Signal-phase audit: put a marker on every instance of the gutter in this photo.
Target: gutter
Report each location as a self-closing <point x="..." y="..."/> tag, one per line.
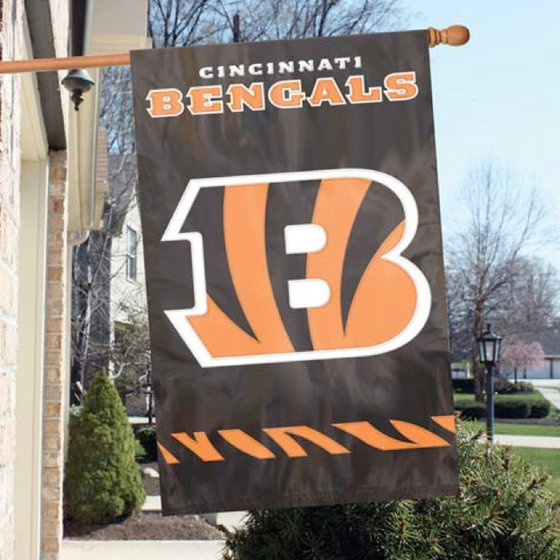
<point x="77" y="238"/>
<point x="42" y="43"/>
<point x="81" y="15"/>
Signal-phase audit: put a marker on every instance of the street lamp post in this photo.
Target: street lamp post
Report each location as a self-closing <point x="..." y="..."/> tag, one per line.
<point x="489" y="346"/>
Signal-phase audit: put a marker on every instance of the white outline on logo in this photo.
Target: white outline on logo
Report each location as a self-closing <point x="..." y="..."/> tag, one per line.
<point x="179" y="317"/>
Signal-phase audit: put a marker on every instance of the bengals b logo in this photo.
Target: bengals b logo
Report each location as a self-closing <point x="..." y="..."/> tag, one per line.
<point x="299" y="266"/>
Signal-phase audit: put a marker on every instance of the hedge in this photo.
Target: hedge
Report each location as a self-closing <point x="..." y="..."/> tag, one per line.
<point x="511" y="408"/>
<point x="506" y="406"/>
<point x="540" y="409"/>
<point x="472" y="410"/>
<point x="463" y="385"/>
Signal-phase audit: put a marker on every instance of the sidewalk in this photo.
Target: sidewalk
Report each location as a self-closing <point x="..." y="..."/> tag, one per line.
<point x="231" y="520"/>
<point x="550" y="392"/>
<point x="544" y="442"/>
<point x="544" y="382"/>
<point x="141" y="550"/>
<point x="150" y="550"/>
<point x="136" y="420"/>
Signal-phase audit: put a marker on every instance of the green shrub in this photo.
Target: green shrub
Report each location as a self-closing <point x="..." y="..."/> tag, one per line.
<point x="519" y="387"/>
<point x="147" y="438"/>
<point x="511" y="408"/>
<point x="503" y="511"/>
<point x="539" y="409"/>
<point x="472" y="410"/>
<point x="139" y="450"/>
<point x="527" y="405"/>
<point x="463" y="385"/>
<point x="522" y="387"/>
<point x="511" y="405"/>
<point x="102" y="480"/>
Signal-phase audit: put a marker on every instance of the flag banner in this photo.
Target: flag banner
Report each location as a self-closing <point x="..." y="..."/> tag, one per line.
<point x="292" y="240"/>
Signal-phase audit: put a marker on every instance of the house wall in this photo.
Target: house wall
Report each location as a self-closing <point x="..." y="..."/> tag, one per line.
<point x="34" y="277"/>
<point x="56" y="359"/>
<point x="11" y="47"/>
<point x="124" y="290"/>
<point x="32" y="305"/>
<point x="542" y="372"/>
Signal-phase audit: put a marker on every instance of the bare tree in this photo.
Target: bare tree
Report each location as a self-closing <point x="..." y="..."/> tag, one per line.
<point x="485" y="259"/>
<point x="190" y="22"/>
<point x="93" y="269"/>
<point x="292" y="19"/>
<point x="116" y="114"/>
<point x="130" y="353"/>
<point x="532" y="305"/>
<point x="181" y="23"/>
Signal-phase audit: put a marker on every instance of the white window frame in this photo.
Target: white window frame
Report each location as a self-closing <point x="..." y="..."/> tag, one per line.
<point x="131" y="254"/>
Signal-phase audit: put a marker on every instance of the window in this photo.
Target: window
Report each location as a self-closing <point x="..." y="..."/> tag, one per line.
<point x="131" y="253"/>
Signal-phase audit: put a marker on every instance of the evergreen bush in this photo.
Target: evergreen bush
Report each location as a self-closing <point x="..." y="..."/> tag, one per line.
<point x="147" y="438"/>
<point x="504" y="511"/>
<point x="102" y="479"/>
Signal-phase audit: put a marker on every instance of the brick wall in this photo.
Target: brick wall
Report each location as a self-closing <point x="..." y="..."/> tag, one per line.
<point x="10" y="48"/>
<point x="54" y="390"/>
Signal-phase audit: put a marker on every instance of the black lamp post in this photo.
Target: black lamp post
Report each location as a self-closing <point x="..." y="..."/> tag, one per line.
<point x="489" y="346"/>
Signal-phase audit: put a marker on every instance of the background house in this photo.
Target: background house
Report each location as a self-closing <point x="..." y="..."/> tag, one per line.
<point x="128" y="318"/>
<point x="550" y="341"/>
<point x="109" y="308"/>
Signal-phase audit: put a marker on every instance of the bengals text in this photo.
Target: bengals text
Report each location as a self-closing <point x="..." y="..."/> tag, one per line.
<point x="283" y="94"/>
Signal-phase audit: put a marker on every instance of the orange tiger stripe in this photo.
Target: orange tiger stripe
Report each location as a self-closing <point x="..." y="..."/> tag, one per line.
<point x="245" y="240"/>
<point x="448" y="422"/>
<point x="385" y="299"/>
<point x="336" y="207"/>
<point x="244" y="442"/>
<point x="283" y="437"/>
<point x="168" y="457"/>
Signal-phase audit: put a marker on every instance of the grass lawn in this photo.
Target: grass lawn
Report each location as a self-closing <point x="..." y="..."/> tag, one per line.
<point x="547" y="459"/>
<point x="463" y="397"/>
<point x="469" y="397"/>
<point x="510" y="429"/>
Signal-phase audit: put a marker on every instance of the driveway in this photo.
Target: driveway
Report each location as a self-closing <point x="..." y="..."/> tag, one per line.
<point x="550" y="390"/>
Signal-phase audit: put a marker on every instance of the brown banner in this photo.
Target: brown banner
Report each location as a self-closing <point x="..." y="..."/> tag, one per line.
<point x="295" y="283"/>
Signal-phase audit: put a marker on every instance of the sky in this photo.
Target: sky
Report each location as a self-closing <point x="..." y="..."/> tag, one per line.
<point x="496" y="97"/>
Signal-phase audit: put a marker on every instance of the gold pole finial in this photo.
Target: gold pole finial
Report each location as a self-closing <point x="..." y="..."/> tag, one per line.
<point x="454" y="35"/>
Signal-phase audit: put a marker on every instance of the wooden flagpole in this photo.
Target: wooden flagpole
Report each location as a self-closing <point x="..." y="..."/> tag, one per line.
<point x="455" y="35"/>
